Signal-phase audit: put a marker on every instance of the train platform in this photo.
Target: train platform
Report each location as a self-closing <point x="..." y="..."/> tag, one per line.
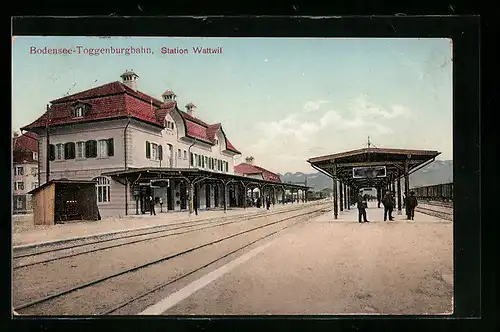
<point x="329" y="266"/>
<point x="39" y="235"/>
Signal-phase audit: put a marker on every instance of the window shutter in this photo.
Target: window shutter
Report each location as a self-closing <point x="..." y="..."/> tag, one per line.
<point x="148" y="150"/>
<point x="160" y="152"/>
<point x="94" y="149"/>
<point x="66" y="151"/>
<point x="91" y="149"/>
<point x="111" y="148"/>
<point x="69" y="150"/>
<point x="88" y="147"/>
<point x="52" y="152"/>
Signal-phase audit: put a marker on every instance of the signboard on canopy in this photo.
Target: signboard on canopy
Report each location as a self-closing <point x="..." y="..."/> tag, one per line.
<point x="369" y="172"/>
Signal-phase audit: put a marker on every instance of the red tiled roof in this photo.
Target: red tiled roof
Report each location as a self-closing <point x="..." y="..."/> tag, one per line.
<point x="115" y="100"/>
<point x="246" y="169"/>
<point x="27" y="141"/>
<point x="23" y="147"/>
<point x="203" y="131"/>
<point x="230" y="147"/>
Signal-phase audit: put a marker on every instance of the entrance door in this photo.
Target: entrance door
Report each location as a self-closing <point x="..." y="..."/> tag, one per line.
<point x="195" y="196"/>
<point x="232" y="200"/>
<point x="207" y="195"/>
<point x="145" y="192"/>
<point x="183" y="195"/>
<point x="170" y="198"/>
<point x="216" y="195"/>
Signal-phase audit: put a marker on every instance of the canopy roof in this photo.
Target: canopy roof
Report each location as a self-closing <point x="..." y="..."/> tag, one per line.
<point x="194" y="174"/>
<point x="393" y="159"/>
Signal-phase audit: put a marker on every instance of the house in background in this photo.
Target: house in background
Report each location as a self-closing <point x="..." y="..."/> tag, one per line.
<point x="25" y="175"/>
<point x="116" y="127"/>
<point x="249" y="169"/>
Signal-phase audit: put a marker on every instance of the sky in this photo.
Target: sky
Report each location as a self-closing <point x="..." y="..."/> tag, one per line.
<point x="280" y="100"/>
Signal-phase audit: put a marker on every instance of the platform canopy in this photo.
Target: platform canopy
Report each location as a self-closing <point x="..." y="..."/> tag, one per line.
<point x="374" y="166"/>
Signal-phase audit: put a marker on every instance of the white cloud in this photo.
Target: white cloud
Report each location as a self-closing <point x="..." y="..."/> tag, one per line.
<point x="366" y="109"/>
<point x="288" y="142"/>
<point x="312" y="106"/>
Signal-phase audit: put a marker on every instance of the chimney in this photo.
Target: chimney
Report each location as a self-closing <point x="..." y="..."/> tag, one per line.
<point x="190" y="108"/>
<point x="249" y="160"/>
<point x="168" y="96"/>
<point x="129" y="78"/>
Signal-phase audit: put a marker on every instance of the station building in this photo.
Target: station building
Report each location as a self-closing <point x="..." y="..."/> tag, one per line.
<point x="25" y="171"/>
<point x="122" y="139"/>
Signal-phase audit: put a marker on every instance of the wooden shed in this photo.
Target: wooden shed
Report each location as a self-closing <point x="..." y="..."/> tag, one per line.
<point x="58" y="201"/>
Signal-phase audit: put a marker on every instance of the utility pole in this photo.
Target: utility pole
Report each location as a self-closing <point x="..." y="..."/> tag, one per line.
<point x="369" y="144"/>
<point x="47" y="157"/>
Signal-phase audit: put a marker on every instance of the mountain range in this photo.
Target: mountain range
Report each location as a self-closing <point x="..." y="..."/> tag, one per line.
<point x="437" y="172"/>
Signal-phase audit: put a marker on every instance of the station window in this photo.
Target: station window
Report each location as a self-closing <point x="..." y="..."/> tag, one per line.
<point x="103" y="189"/>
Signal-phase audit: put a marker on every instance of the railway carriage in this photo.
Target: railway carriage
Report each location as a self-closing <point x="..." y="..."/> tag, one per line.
<point x="438" y="192"/>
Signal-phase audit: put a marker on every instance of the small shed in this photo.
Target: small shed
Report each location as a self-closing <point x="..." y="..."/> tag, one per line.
<point x="63" y="200"/>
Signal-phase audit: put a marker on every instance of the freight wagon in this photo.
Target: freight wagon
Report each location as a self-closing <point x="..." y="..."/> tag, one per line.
<point x="438" y="192"/>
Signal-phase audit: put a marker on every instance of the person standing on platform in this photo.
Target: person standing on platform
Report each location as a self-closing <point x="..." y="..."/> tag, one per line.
<point x="362" y="205"/>
<point x="411" y="204"/>
<point x="388" y="205"/>
<point x="152" y="205"/>
<point x="378" y="198"/>
<point x="268" y="202"/>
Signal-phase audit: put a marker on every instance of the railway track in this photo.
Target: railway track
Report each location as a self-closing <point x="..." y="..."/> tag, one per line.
<point x="217" y="249"/>
<point x="447" y="215"/>
<point x="437" y="203"/>
<point x="141" y="236"/>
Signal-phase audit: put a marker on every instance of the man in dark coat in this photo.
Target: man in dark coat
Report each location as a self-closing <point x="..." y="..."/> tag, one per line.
<point x="268" y="202"/>
<point x="362" y="205"/>
<point x="411" y="204"/>
<point x="152" y="205"/>
<point x="388" y="202"/>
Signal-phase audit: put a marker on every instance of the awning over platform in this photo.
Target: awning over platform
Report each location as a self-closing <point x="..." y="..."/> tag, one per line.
<point x="193" y="174"/>
<point x="397" y="163"/>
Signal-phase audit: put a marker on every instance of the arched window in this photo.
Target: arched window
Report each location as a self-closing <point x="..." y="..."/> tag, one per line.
<point x="102" y="189"/>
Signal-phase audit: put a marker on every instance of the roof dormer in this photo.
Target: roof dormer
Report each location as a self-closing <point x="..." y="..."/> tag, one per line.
<point x="79" y="109"/>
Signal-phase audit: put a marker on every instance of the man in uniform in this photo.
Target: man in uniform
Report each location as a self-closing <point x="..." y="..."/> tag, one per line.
<point x="362" y="205"/>
<point x="388" y="202"/>
<point x="152" y="205"/>
<point x="411" y="204"/>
